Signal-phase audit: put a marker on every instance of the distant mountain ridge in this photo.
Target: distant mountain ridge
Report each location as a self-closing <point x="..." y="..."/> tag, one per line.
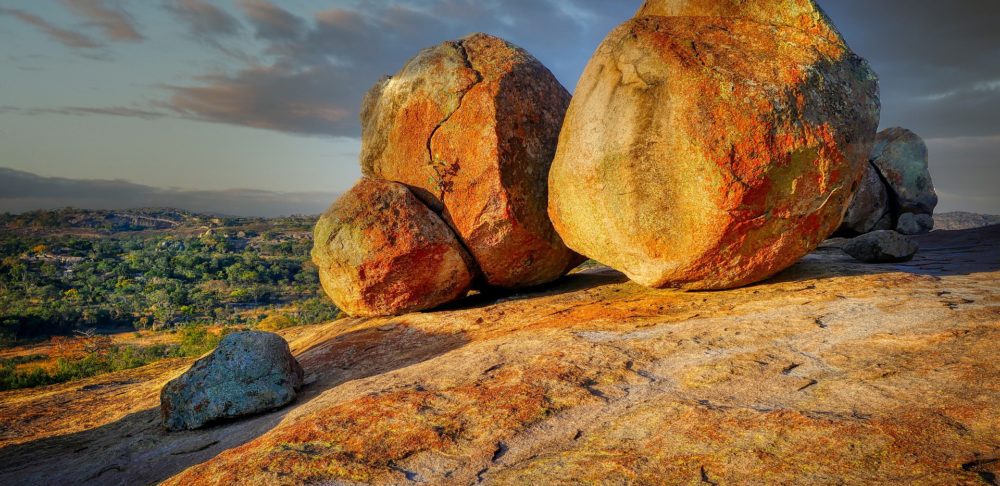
<point x="960" y="220"/>
<point x="22" y="191"/>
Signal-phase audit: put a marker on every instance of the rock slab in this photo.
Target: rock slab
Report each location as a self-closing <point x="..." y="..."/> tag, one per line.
<point x="248" y="373"/>
<point x="381" y="251"/>
<point x="882" y="247"/>
<point x="471" y="127"/>
<point x="708" y="146"/>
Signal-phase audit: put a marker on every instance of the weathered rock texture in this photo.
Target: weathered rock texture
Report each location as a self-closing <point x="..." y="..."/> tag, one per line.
<point x="713" y="149"/>
<point x="915" y="224"/>
<point x="882" y="247"/>
<point x="248" y="373"/>
<point x="901" y="157"/>
<point x="381" y="251"/>
<point x="869" y="209"/>
<point x="835" y="372"/>
<point x="472" y="127"/>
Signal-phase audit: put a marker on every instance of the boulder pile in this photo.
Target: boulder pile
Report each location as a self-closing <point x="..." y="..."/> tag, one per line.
<point x="897" y="191"/>
<point x="712" y="143"/>
<point x="456" y="149"/>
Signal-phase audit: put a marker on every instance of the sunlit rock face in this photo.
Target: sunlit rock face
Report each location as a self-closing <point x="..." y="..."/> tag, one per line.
<point x="712" y="144"/>
<point x="471" y="127"/>
<point x="380" y="251"/>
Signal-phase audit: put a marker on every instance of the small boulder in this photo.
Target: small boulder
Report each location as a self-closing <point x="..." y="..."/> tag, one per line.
<point x="471" y="127"/>
<point x="248" y="373"/>
<point x="881" y="247"/>
<point x="901" y="157"/>
<point x="381" y="251"/>
<point x="915" y="224"/>
<point x="869" y="210"/>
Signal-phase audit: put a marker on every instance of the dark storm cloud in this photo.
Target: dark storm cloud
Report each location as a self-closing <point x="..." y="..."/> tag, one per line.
<point x="108" y="16"/>
<point x="65" y="37"/>
<point x="205" y="21"/>
<point x="24" y="191"/>
<point x="320" y="68"/>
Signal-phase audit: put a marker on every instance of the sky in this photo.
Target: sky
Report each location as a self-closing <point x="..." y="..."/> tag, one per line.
<point x="205" y="104"/>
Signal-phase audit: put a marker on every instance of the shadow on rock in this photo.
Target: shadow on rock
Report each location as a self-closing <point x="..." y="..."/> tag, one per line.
<point x="941" y="254"/>
<point x="136" y="449"/>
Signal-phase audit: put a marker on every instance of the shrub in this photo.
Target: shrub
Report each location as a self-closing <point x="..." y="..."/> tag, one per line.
<point x="276" y="323"/>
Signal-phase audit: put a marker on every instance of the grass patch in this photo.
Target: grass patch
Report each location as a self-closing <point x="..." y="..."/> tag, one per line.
<point x="86" y="356"/>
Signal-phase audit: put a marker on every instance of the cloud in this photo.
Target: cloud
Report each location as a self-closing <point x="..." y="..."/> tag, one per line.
<point x="314" y="72"/>
<point x="23" y="191"/>
<point x="272" y="22"/>
<point x="112" y="19"/>
<point x="937" y="63"/>
<point x="86" y="111"/>
<point x="65" y="37"/>
<point x="205" y="21"/>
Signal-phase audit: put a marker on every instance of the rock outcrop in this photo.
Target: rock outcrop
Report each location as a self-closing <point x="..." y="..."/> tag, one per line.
<point x="248" y="373"/>
<point x="471" y="126"/>
<point x="901" y="157"/>
<point x="834" y="372"/>
<point x="381" y="251"/>
<point x="869" y="209"/>
<point x="882" y="247"/>
<point x="711" y="144"/>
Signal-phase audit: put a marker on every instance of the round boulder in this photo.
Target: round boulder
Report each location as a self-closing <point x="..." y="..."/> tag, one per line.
<point x="901" y="157"/>
<point x="471" y="126"/>
<point x="380" y="251"/>
<point x="881" y="247"/>
<point x="869" y="209"/>
<point x="709" y="146"/>
<point x="915" y="224"/>
<point x="248" y="373"/>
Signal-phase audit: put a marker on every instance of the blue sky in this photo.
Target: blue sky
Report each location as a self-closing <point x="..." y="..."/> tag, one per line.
<point x="214" y="95"/>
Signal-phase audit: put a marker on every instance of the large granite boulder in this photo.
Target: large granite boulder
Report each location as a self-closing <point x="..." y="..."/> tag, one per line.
<point x="881" y="247"/>
<point x="869" y="209"/>
<point x="712" y="144"/>
<point x="901" y="157"/>
<point x="248" y="373"/>
<point x="381" y="251"/>
<point x="471" y="126"/>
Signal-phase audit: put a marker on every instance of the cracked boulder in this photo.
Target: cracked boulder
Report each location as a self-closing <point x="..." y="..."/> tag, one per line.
<point x="901" y="156"/>
<point x="381" y="251"/>
<point x="248" y="373"/>
<point x="471" y="127"/>
<point x="869" y="209"/>
<point x="711" y="144"/>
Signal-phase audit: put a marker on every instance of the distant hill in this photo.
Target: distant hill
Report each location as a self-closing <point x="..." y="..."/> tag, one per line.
<point x="104" y="221"/>
<point x="23" y="191"/>
<point x="959" y="220"/>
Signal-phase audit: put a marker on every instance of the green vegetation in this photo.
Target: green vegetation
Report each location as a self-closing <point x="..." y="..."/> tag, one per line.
<point x="66" y="270"/>
<point x="86" y="356"/>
